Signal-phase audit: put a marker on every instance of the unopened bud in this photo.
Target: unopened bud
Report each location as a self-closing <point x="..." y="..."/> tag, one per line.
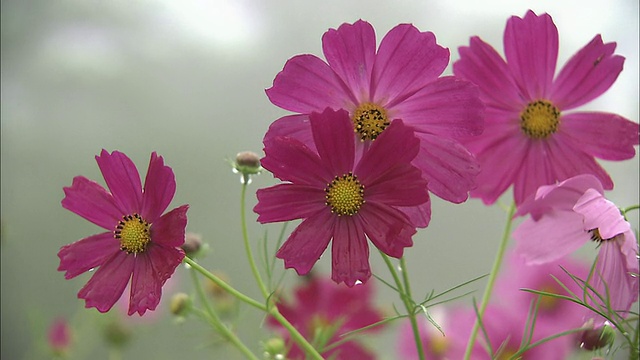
<point x="597" y="338"/>
<point x="275" y="349"/>
<point x="59" y="336"/>
<point x="180" y="304"/>
<point x="247" y="163"/>
<point x="192" y="244"/>
<point x="117" y="334"/>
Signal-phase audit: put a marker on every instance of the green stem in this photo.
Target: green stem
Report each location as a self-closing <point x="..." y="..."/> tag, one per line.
<point x="245" y="237"/>
<point x="492" y="279"/>
<point x="295" y="334"/>
<point x="629" y="208"/>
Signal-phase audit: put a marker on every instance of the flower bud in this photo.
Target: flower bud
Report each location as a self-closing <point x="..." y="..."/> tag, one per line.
<point x="180" y="304"/>
<point x="117" y="334"/>
<point x="192" y="244"/>
<point x="223" y="302"/>
<point x="59" y="336"/>
<point x="247" y="163"/>
<point x="274" y="349"/>
<point x="593" y="339"/>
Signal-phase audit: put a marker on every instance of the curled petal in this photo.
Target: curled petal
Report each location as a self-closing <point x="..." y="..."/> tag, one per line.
<point x="293" y="126"/>
<point x="86" y="254"/>
<point x="91" y="201"/>
<point x="106" y="286"/>
<point x="159" y="188"/>
<point x="290" y="160"/>
<point x="123" y="180"/>
<point x="600" y="213"/>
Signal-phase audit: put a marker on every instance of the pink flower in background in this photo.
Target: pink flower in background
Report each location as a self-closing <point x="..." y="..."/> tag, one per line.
<point x="568" y="215"/>
<point x="435" y="344"/>
<point x="342" y="199"/>
<point x="59" y="336"/>
<point x="320" y="305"/>
<point x="530" y="139"/>
<point x="141" y="244"/>
<point x="399" y="80"/>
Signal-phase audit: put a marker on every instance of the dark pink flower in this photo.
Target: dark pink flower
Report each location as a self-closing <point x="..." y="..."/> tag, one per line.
<point x="59" y="335"/>
<point x="399" y="80"/>
<point x="340" y="198"/>
<point x="141" y="244"/>
<point x="531" y="139"/>
<point x="320" y="305"/>
<point x="568" y="215"/>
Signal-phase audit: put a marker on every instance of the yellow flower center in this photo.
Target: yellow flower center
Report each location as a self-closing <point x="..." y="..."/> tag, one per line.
<point x="345" y="195"/>
<point x="540" y="119"/>
<point x="507" y="354"/>
<point x="595" y="236"/>
<point x="133" y="233"/>
<point x="369" y="120"/>
<point x="439" y="345"/>
<point x="548" y="302"/>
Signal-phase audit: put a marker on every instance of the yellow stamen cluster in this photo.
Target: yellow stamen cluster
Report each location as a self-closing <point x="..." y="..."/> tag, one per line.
<point x="133" y="233"/>
<point x="540" y="119"/>
<point x="345" y="195"/>
<point x="369" y="120"/>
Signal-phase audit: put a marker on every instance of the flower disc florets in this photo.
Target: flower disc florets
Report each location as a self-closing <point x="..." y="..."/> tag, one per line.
<point x="133" y="233"/>
<point x="540" y="119"/>
<point x="345" y="194"/>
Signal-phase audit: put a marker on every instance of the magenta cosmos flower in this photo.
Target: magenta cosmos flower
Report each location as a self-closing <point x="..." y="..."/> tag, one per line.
<point x="530" y="138"/>
<point x="322" y="307"/>
<point x="140" y="243"/>
<point x="570" y="214"/>
<point x="342" y="199"/>
<point x="59" y="336"/>
<point x="398" y="81"/>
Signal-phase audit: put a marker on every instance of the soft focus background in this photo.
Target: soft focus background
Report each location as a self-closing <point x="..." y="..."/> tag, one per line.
<point x="186" y="79"/>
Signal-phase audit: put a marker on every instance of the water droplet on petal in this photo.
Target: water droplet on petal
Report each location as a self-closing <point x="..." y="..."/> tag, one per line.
<point x="358" y="282"/>
<point x="92" y="269"/>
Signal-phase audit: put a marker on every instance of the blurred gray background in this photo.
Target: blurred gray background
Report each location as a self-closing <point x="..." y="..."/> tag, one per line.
<point x="186" y="79"/>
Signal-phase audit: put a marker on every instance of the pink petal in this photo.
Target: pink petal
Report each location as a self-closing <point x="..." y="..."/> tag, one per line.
<point x="349" y="350"/>
<point x="159" y="188"/>
<point x="629" y="249"/>
<point x="448" y="166"/>
<point x="401" y="185"/>
<point x="106" y="286"/>
<point x="407" y="60"/>
<point x="600" y="213"/>
<point x="152" y="269"/>
<point x="538" y="168"/>
<point x="483" y="66"/>
<point x="286" y="202"/>
<point x="308" y="84"/>
<point x="123" y="180"/>
<point x="587" y="75"/>
<point x="350" y="51"/>
<point x="349" y="253"/>
<point x="557" y="234"/>
<point x="333" y="135"/>
<point x="290" y="160"/>
<point x="448" y="107"/>
<point x="169" y="229"/>
<point x="307" y="242"/>
<point x="86" y="254"/>
<point x="387" y="228"/>
<point x="293" y="126"/>
<point x="420" y="215"/>
<point x="531" y="49"/>
<point x="91" y="201"/>
<point x="603" y="135"/>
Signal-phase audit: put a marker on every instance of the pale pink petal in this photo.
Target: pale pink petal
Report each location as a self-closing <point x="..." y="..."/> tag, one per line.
<point x="293" y="126"/>
<point x="106" y="286"/>
<point x="169" y="229"/>
<point x="308" y="84"/>
<point x="333" y="136"/>
<point x="350" y="51"/>
<point x="407" y="60"/>
<point x="152" y="269"/>
<point x="448" y="106"/>
<point x="286" y="202"/>
<point x="307" y="242"/>
<point x="91" y="201"/>
<point x="603" y="135"/>
<point x="629" y="249"/>
<point x="387" y="228"/>
<point x="349" y="252"/>
<point x="557" y="234"/>
<point x="531" y="49"/>
<point x="290" y="160"/>
<point x="159" y="188"/>
<point x="123" y="180"/>
<point x="86" y="254"/>
<point x="587" y="75"/>
<point x="385" y="189"/>
<point x="600" y="213"/>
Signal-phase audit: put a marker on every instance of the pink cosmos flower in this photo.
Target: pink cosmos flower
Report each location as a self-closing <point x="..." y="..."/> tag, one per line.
<point x="59" y="336"/>
<point x="140" y="243"/>
<point x="435" y="344"/>
<point x="531" y="138"/>
<point x="399" y="80"/>
<point x="340" y="198"/>
<point x="566" y="216"/>
<point x="320" y="305"/>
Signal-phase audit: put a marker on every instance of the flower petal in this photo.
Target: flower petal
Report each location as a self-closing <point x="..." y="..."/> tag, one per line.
<point x="285" y="202"/>
<point x="350" y="51"/>
<point x="290" y="160"/>
<point x="407" y="60"/>
<point x="401" y="185"/>
<point x="106" y="286"/>
<point x="333" y="136"/>
<point x="587" y="75"/>
<point x="307" y="242"/>
<point x="538" y="168"/>
<point x="152" y="269"/>
<point x="531" y="49"/>
<point x="308" y="84"/>
<point x="123" y="180"/>
<point x="600" y="213"/>
<point x="349" y="253"/>
<point x="387" y="228"/>
<point x="169" y="229"/>
<point x="86" y="254"/>
<point x="603" y="135"/>
<point x="293" y="126"/>
<point x="159" y="188"/>
<point x="91" y="201"/>
<point x="419" y="216"/>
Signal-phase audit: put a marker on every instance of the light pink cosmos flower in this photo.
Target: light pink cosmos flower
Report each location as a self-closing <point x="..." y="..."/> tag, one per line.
<point x="342" y="199"/>
<point x="399" y="80"/>
<point x="435" y="344"/>
<point x="140" y="244"/>
<point x="531" y="138"/>
<point x="319" y="305"/>
<point x="568" y="215"/>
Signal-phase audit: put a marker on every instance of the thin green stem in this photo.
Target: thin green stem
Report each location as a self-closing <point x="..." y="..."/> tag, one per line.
<point x="497" y="263"/>
<point x="629" y="208"/>
<point x="297" y="337"/>
<point x="245" y="237"/>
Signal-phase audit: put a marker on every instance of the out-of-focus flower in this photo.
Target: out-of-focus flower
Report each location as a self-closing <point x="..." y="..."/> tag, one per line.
<point x="436" y="344"/>
<point x="322" y="310"/>
<point x="342" y="199"/>
<point x="59" y="336"/>
<point x="568" y="215"/>
<point x="141" y="245"/>
<point x="597" y="338"/>
<point x="530" y="139"/>
<point x="399" y="80"/>
<point x="192" y="244"/>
